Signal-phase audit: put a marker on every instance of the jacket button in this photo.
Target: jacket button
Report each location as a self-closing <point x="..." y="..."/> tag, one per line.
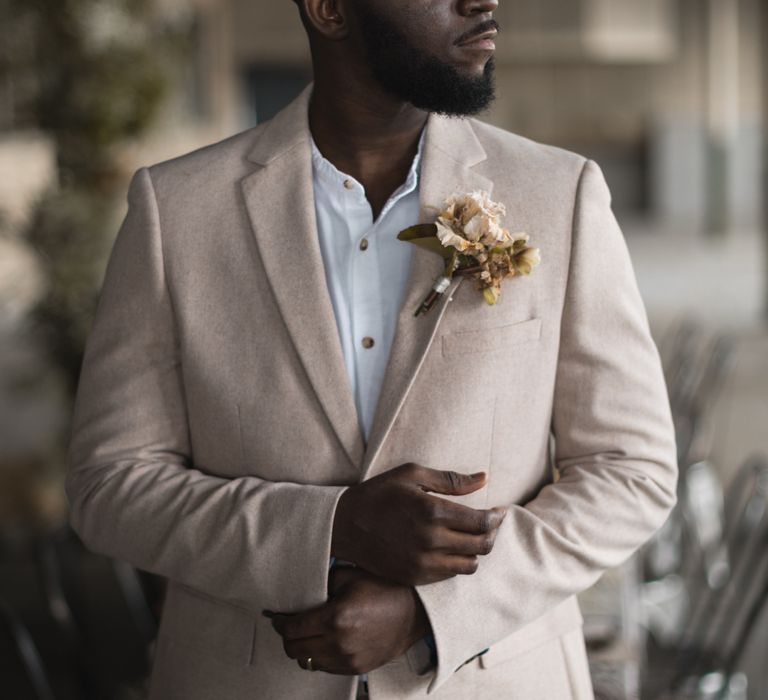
<point x="349" y="184"/>
<point x="364" y="244"/>
<point x="367" y="342"/>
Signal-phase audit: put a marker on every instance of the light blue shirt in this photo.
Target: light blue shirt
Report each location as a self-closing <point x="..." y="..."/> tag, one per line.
<point x="366" y="268"/>
<point x="367" y="283"/>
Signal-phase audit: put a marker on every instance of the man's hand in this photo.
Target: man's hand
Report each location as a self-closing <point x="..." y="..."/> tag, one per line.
<point x="392" y="527"/>
<point x="366" y="623"/>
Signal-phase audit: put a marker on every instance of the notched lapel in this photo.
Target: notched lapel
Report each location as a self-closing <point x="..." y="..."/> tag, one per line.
<point x="451" y="148"/>
<point x="280" y="201"/>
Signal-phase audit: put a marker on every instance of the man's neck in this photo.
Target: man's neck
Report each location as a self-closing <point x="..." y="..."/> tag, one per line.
<point x="370" y="136"/>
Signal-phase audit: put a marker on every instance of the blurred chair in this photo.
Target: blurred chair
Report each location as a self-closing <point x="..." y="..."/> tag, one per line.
<point x="72" y="645"/>
<point x="100" y="607"/>
<point x="73" y="624"/>
<point x="723" y="611"/>
<point x="24" y="674"/>
<point x="695" y="364"/>
<point x="726" y="588"/>
<point x="704" y="584"/>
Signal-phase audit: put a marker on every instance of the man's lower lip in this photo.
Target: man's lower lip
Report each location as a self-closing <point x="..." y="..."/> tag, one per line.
<point x="480" y="44"/>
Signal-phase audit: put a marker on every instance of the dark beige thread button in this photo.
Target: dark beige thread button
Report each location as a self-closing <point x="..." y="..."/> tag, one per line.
<point x="367" y="342"/>
<point x="349" y="184"/>
<point x="364" y="244"/>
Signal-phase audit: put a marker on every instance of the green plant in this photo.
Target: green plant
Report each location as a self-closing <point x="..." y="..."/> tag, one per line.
<point x="102" y="71"/>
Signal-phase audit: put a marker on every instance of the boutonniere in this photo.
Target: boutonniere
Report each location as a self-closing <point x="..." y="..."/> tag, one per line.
<point x="468" y="235"/>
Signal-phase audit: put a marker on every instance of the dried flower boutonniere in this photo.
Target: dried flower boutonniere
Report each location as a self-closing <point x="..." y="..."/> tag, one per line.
<point x="469" y="237"/>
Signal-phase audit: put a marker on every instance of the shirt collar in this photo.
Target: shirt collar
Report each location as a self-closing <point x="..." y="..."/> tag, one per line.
<point x="330" y="174"/>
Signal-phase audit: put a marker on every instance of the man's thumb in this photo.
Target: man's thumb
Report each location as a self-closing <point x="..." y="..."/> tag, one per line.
<point x="452" y="483"/>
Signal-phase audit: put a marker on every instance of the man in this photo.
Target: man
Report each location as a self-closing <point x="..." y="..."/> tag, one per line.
<point x="259" y="408"/>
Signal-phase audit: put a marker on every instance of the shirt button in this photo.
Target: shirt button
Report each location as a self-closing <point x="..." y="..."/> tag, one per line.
<point x="364" y="244"/>
<point x="367" y="342"/>
<point x="349" y="184"/>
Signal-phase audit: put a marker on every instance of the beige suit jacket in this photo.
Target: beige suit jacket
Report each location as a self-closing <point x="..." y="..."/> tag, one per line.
<point x="214" y="428"/>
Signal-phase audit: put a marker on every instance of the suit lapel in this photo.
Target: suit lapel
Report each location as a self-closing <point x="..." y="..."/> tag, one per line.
<point x="279" y="199"/>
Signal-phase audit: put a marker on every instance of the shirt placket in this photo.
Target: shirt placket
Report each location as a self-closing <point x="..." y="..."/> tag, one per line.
<point x="366" y="310"/>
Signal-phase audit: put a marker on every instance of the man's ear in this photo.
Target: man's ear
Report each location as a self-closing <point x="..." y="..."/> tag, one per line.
<point x="327" y="17"/>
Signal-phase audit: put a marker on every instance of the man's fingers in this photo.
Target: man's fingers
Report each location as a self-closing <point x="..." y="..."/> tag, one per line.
<point x="311" y="623"/>
<point x="447" y="565"/>
<point x="448" y="482"/>
<point x="322" y="660"/>
<point x="301" y="649"/>
<point x="456" y="516"/>
<point x="462" y="543"/>
<point x="328" y="664"/>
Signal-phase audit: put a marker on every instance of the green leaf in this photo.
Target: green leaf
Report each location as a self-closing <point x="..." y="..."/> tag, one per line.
<point x="418" y="231"/>
<point x="434" y="245"/>
<point x="425" y="236"/>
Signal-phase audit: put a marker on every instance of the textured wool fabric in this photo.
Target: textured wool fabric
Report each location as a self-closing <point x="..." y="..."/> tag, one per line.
<point x="214" y="430"/>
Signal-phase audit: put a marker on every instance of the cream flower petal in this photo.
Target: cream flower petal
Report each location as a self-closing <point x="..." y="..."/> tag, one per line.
<point x="475" y="227"/>
<point x="449" y="238"/>
<point x="527" y="259"/>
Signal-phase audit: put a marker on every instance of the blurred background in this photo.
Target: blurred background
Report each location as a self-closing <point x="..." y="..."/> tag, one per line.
<point x="668" y="96"/>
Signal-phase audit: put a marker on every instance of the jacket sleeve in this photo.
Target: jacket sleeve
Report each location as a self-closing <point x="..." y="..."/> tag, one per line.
<point x="614" y="451"/>
<point x="133" y="490"/>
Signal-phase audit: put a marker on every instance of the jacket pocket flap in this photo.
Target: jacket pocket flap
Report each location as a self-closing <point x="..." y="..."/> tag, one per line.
<point x="553" y="623"/>
<point x="491" y="338"/>
<point x="195" y="619"/>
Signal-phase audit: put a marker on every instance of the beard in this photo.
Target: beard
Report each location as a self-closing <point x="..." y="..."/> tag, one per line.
<point x="412" y="75"/>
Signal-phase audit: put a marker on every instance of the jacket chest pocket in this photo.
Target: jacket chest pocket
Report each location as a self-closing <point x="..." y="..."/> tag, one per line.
<point x="491" y="339"/>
